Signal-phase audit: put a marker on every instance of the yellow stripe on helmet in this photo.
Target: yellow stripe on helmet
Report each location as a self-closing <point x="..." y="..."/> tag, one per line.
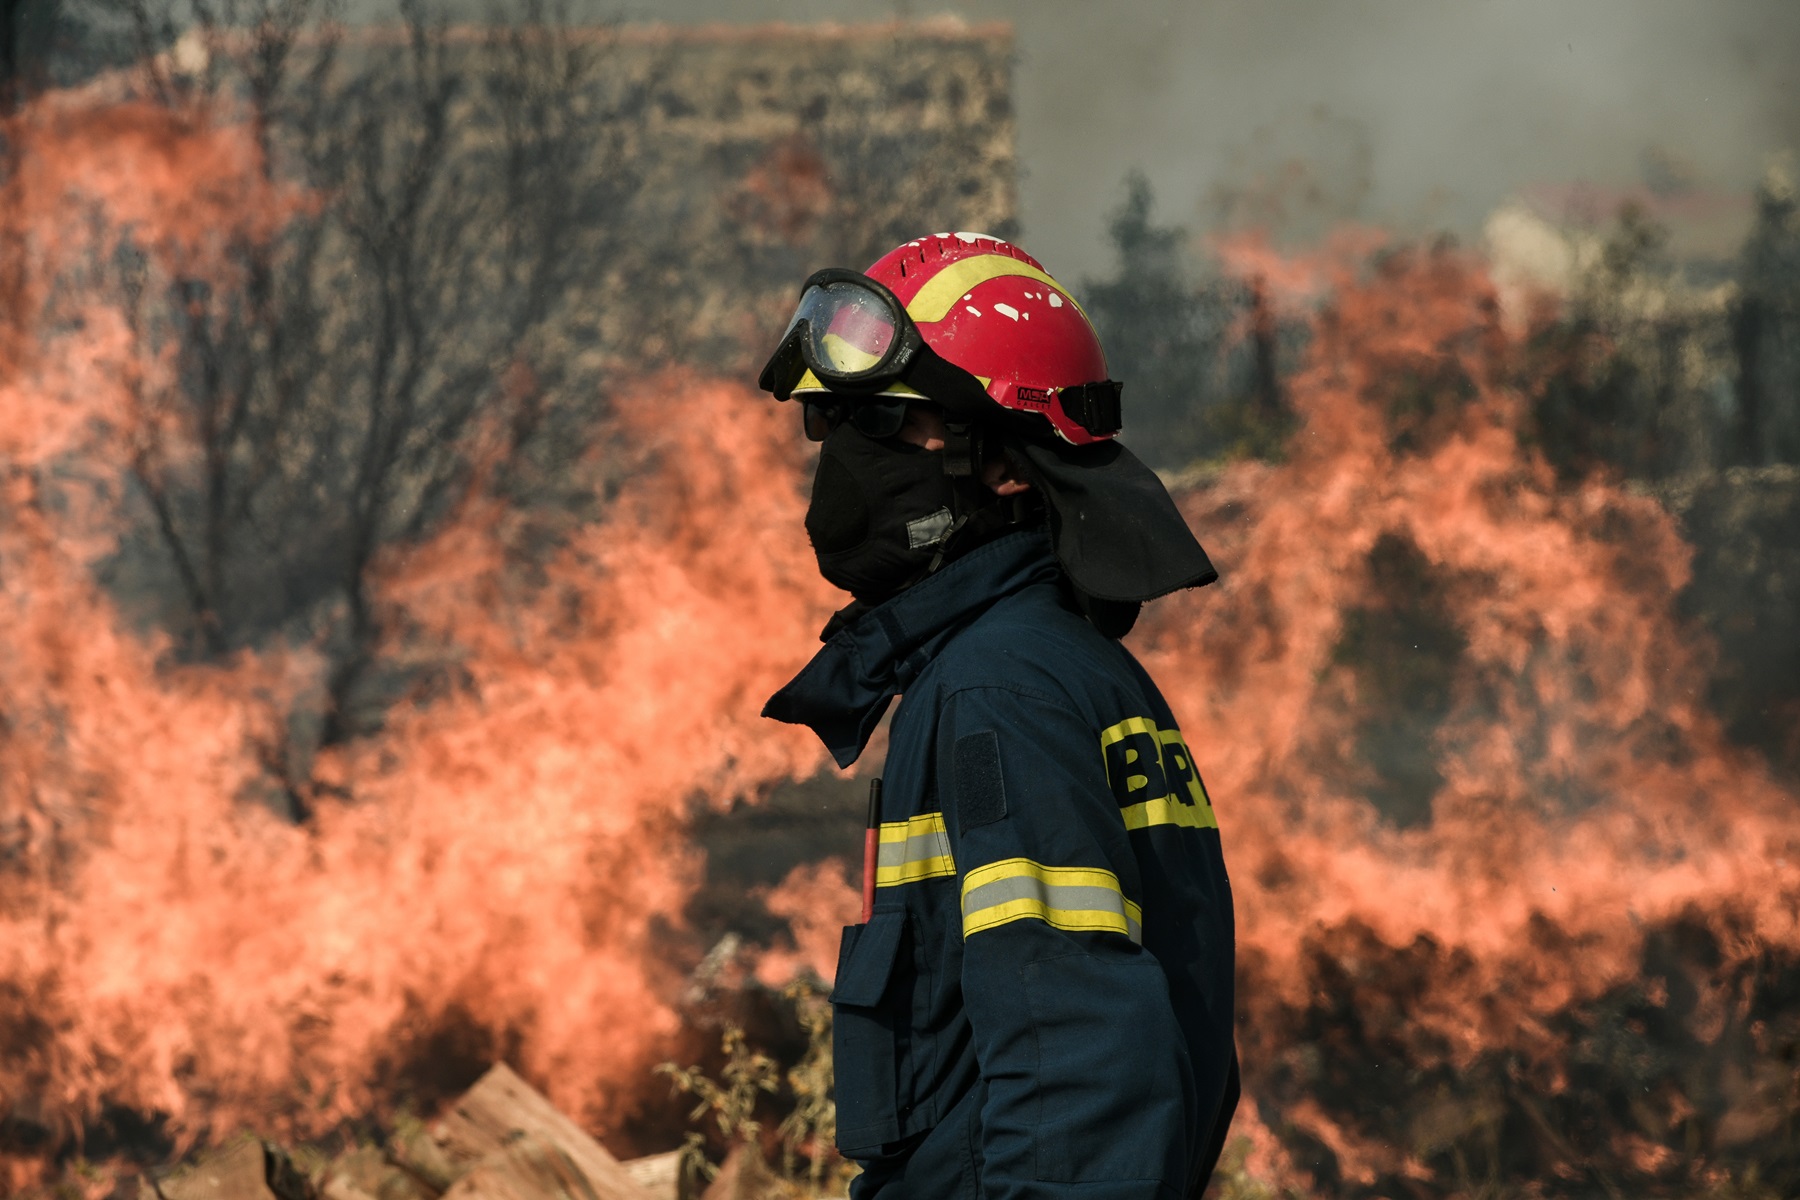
<point x="941" y="292"/>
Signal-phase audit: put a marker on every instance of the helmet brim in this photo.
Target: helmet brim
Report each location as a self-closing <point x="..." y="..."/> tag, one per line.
<point x="809" y="385"/>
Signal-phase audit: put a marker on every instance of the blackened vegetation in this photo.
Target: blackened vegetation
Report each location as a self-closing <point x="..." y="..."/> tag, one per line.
<point x="1402" y="648"/>
<point x="1681" y="1083"/>
<point x="27" y="28"/>
<point x="1744" y="524"/>
<point x="1694" y="393"/>
<point x="1765" y="325"/>
<point x="1614" y="395"/>
<point x="1201" y="357"/>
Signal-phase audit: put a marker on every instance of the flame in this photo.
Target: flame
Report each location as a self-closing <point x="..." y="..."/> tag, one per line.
<point x="79" y="181"/>
<point x="513" y="858"/>
<point x="1585" y="795"/>
<point x="506" y="864"/>
<point x="817" y="901"/>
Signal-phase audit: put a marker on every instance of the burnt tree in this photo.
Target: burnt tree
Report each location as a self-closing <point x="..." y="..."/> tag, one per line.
<point x="360" y="373"/>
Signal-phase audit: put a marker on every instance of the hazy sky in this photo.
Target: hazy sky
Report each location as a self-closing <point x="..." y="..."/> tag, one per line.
<point x="1409" y="113"/>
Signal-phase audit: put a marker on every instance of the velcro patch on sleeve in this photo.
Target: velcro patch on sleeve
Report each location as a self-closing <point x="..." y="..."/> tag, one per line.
<point x="980" y="788"/>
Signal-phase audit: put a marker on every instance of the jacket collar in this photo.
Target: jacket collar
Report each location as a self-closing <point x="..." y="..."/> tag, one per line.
<point x="843" y="692"/>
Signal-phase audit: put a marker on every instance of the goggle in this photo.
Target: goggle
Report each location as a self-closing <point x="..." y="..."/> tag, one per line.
<point x="857" y="340"/>
<point x="875" y="417"/>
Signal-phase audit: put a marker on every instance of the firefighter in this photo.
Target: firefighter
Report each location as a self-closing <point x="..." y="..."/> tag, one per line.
<point x="1039" y="1000"/>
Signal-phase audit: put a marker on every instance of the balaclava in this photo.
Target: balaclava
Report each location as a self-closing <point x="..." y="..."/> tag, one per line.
<point x="883" y="512"/>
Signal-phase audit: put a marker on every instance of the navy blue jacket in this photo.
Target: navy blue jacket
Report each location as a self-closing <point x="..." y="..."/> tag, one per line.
<point x="1041" y="1005"/>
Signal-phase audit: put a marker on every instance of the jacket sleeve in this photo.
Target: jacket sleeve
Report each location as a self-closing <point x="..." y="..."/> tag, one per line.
<point x="1088" y="1089"/>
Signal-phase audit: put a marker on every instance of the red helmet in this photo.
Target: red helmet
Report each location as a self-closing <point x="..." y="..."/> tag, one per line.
<point x="981" y="307"/>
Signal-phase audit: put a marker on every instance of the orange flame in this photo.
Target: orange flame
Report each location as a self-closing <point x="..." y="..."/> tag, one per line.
<point x="514" y="857"/>
<point x="511" y="861"/>
<point x="1586" y="793"/>
<point x="80" y="179"/>
<point x="817" y="901"/>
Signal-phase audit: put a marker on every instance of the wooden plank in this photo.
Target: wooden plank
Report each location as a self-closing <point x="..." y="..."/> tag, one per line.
<point x="236" y="1171"/>
<point x="337" y="1187"/>
<point x="502" y="1108"/>
<point x="528" y="1168"/>
<point x="412" y="1147"/>
<point x="659" y="1174"/>
<point x="366" y="1174"/>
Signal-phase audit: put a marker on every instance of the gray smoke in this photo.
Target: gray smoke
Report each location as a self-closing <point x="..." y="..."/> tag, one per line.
<point x="1414" y="116"/>
<point x="1296" y="114"/>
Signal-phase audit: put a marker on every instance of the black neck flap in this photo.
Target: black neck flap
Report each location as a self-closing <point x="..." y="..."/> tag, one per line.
<point x="1115" y="529"/>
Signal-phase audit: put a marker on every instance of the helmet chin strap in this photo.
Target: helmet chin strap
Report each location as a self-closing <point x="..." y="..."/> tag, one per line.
<point x="962" y="446"/>
<point x="962" y="459"/>
<point x="965" y="448"/>
<point x="962" y="449"/>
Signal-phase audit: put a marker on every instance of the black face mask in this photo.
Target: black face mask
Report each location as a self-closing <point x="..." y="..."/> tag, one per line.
<point x="881" y="513"/>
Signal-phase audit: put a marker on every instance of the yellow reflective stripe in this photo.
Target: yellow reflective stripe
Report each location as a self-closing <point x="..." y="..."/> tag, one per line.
<point x="1169" y="811"/>
<point x="1017" y="889"/>
<point x="900" y="831"/>
<point x="914" y="849"/>
<point x="933" y="301"/>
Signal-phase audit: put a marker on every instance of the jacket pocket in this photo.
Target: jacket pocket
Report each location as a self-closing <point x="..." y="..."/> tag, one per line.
<point x="864" y="1034"/>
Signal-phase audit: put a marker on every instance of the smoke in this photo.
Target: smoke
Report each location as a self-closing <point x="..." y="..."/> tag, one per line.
<point x="1293" y="113"/>
<point x="1413" y="118"/>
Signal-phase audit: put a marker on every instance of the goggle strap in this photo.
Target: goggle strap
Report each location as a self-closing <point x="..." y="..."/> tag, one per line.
<point x="1094" y="406"/>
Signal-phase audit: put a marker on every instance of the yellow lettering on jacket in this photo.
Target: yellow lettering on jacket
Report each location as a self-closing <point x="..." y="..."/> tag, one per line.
<point x="1152" y="774"/>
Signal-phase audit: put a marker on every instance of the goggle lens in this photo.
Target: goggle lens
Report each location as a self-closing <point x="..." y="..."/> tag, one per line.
<point x="848" y="328"/>
<point x="872" y="418"/>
